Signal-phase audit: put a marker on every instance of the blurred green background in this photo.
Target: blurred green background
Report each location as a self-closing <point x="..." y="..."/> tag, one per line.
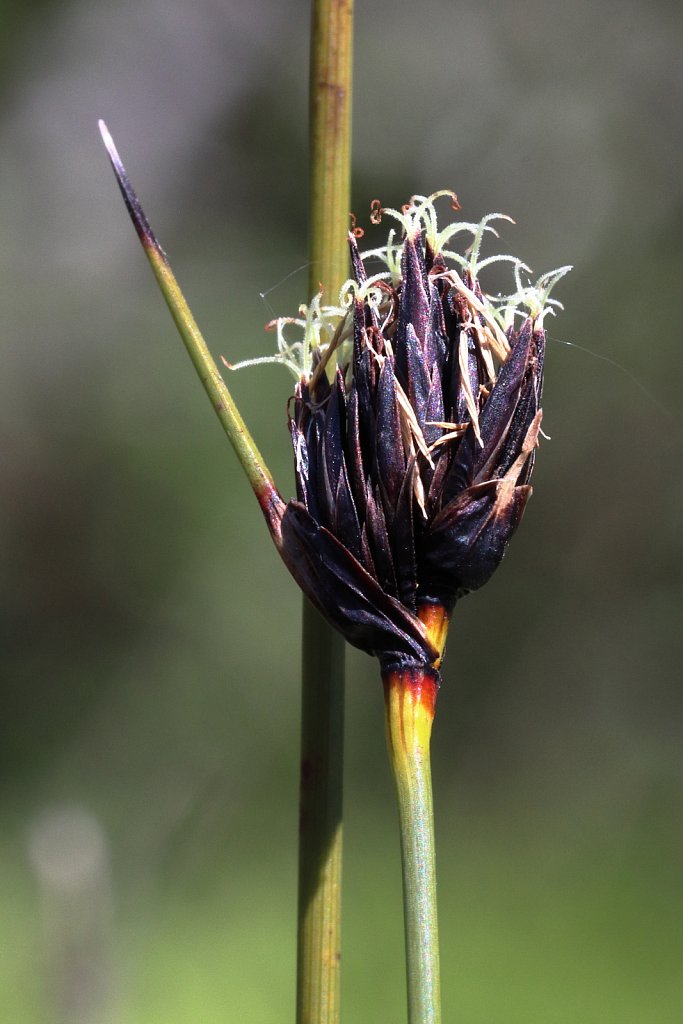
<point x="149" y="725"/>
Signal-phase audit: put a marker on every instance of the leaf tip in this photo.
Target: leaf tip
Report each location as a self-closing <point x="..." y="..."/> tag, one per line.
<point x="137" y="214"/>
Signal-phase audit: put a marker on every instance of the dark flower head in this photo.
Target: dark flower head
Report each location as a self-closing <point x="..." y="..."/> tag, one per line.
<point x="413" y="456"/>
<point x="413" y="461"/>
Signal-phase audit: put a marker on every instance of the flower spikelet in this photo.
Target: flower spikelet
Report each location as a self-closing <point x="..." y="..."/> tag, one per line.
<point x="413" y="459"/>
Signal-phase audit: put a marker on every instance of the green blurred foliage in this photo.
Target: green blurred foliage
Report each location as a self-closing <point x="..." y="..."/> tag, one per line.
<point x="149" y="734"/>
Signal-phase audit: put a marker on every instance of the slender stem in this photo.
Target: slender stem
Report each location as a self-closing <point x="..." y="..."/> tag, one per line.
<point x="320" y="850"/>
<point x="410" y="697"/>
<point x="330" y="143"/>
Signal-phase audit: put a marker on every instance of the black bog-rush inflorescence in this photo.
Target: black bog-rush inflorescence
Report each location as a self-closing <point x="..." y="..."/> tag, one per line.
<point x="413" y="462"/>
<point x="413" y="456"/>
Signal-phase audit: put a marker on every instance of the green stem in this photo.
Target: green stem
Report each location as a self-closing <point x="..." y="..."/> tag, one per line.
<point x="320" y="841"/>
<point x="330" y="144"/>
<point x="322" y="728"/>
<point x="410" y="696"/>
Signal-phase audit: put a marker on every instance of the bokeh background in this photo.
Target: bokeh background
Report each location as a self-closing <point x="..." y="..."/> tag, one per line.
<point x="149" y="722"/>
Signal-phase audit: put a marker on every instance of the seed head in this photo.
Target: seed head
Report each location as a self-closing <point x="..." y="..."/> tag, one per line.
<point x="413" y="460"/>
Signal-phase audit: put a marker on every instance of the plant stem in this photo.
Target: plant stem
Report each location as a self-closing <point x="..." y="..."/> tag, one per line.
<point x="322" y="726"/>
<point x="330" y="144"/>
<point x="320" y="845"/>
<point x="410" y="697"/>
